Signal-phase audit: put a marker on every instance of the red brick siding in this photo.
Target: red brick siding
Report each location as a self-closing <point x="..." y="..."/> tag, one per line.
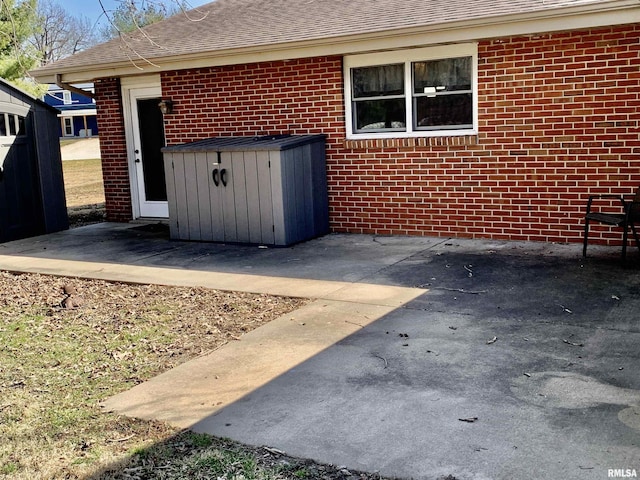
<point x="301" y="96"/>
<point x="113" y="150"/>
<point x="558" y="119"/>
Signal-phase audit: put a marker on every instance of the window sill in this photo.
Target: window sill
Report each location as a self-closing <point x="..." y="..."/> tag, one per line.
<point x="398" y="142"/>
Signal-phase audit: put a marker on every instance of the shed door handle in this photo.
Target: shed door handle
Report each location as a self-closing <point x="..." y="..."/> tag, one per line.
<point x="216" y="177"/>
<point x="223" y="176"/>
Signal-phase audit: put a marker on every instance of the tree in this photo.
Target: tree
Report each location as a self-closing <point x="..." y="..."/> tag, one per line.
<point x="17" y="23"/>
<point x="60" y="34"/>
<point x="37" y="32"/>
<point x="131" y="15"/>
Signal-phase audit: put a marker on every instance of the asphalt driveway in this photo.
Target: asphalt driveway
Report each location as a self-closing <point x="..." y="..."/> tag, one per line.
<point x="419" y="357"/>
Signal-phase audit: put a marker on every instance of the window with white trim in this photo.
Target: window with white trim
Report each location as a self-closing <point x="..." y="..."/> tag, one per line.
<point x="66" y="97"/>
<point x="412" y="93"/>
<point x="67" y="126"/>
<point x="12" y="125"/>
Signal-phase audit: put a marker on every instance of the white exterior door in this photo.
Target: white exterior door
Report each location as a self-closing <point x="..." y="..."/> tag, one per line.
<point x="145" y="137"/>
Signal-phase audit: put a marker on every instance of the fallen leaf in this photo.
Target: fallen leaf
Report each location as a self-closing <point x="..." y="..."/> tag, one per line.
<point x="469" y="420"/>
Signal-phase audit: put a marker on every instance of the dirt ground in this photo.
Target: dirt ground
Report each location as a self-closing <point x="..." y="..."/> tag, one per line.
<point x="69" y="343"/>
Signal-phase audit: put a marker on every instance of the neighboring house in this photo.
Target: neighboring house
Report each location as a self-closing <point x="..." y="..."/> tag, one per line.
<point x="489" y="118"/>
<point x="32" y="200"/>
<point x="77" y="112"/>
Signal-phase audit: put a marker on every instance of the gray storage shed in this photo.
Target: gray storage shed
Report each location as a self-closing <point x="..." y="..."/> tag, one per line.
<point x="32" y="199"/>
<point x="269" y="190"/>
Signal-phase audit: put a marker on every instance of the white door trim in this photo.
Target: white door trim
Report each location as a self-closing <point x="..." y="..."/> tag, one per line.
<point x="132" y="89"/>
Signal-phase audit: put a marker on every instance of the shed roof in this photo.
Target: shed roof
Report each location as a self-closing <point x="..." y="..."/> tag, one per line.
<point x="239" y="31"/>
<point x="239" y="143"/>
<point x="23" y="96"/>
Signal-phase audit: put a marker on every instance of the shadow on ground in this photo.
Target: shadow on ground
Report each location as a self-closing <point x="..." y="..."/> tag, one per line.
<point x="520" y="361"/>
<point x="192" y="455"/>
<point x="82" y="215"/>
<point x="510" y="364"/>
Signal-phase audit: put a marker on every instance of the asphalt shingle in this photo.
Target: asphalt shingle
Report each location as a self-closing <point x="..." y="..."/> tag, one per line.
<point x="227" y="25"/>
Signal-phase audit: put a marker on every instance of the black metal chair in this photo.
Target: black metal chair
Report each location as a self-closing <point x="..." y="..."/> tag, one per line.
<point x="627" y="218"/>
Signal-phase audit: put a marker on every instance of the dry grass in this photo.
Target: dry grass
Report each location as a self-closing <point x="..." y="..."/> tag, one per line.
<point x="57" y="364"/>
<point x="83" y="182"/>
<point x="84" y="191"/>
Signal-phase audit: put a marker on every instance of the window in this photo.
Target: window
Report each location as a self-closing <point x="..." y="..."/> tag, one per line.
<point x="412" y="93"/>
<point x="67" y="126"/>
<point x="66" y="97"/>
<point x="11" y="125"/>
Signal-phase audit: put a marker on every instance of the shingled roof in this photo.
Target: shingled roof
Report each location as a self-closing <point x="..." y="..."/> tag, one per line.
<point x="226" y="31"/>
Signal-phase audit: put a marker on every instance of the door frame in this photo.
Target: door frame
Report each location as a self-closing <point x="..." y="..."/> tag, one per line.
<point x="148" y="86"/>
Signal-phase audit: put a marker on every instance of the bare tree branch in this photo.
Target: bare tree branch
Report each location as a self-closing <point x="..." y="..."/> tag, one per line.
<point x="60" y="34"/>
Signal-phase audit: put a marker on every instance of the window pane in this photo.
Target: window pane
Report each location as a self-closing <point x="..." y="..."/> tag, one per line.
<point x="445" y="75"/>
<point x="12" y="125"/>
<point x="378" y="81"/>
<point x="443" y="111"/>
<point x="380" y="114"/>
<point x="21" y="126"/>
<point x="3" y="125"/>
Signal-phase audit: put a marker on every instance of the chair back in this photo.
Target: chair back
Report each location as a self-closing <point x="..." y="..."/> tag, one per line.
<point x="634" y="211"/>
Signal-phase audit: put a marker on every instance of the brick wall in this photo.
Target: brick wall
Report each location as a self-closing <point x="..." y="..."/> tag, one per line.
<point x="298" y="96"/>
<point x="558" y="120"/>
<point x="113" y="150"/>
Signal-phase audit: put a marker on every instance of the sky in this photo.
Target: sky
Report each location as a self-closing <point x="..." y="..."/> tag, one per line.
<point x="92" y="10"/>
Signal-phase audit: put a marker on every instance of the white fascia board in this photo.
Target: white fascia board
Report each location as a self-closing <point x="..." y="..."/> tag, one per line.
<point x="573" y="18"/>
<point x="77" y="113"/>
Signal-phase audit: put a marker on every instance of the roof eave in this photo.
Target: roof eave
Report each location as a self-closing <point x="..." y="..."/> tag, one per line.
<point x="31" y="98"/>
<point x="570" y="18"/>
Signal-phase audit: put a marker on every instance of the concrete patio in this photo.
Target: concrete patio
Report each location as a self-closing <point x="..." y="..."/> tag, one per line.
<point x="418" y="357"/>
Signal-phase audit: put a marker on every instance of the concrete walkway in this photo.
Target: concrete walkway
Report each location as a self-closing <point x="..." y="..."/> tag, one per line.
<point x="418" y="358"/>
<point x="80" y="149"/>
